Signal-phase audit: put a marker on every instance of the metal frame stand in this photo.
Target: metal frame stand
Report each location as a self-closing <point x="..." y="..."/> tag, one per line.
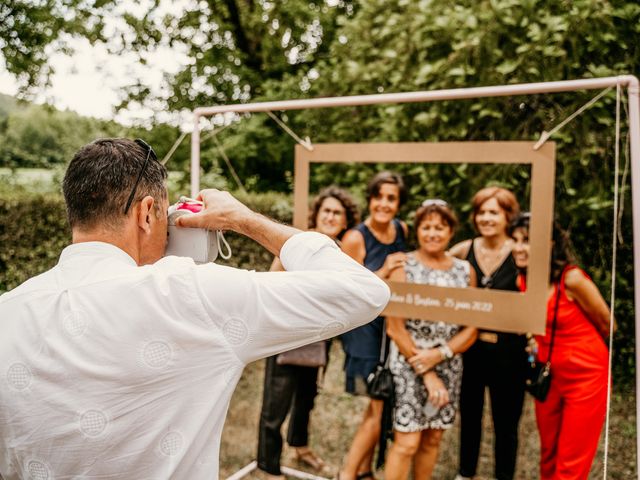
<point x="629" y="81"/>
<point x="291" y="472"/>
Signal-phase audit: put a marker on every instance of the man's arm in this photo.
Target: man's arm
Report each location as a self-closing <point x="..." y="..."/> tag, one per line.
<point x="323" y="292"/>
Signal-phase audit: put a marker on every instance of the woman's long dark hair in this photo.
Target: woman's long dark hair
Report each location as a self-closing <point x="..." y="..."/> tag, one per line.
<point x="561" y="252"/>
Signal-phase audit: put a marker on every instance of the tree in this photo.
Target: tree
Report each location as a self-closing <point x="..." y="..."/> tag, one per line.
<point x="435" y="44"/>
<point x="236" y="49"/>
<point x="38" y="136"/>
<point x="234" y="46"/>
<point x="31" y="30"/>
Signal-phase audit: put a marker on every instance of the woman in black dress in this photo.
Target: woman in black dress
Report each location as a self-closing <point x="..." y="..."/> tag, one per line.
<point x="497" y="360"/>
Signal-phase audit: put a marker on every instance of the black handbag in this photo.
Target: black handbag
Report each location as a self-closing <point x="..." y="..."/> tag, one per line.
<point x="538" y="380"/>
<point x="380" y="386"/>
<point x="380" y="382"/>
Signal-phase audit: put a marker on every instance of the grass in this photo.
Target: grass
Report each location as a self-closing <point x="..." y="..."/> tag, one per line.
<point x="337" y="414"/>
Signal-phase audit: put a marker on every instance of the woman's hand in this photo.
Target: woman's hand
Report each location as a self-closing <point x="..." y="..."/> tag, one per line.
<point x="532" y="346"/>
<point x="425" y="359"/>
<point x="437" y="392"/>
<point x="393" y="261"/>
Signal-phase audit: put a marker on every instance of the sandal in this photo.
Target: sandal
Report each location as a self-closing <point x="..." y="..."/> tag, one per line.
<point x="310" y="459"/>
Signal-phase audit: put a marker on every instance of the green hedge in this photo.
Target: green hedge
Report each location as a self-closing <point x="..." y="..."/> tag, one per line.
<point x="34" y="230"/>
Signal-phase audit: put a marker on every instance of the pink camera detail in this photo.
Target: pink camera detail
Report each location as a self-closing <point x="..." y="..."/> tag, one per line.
<point x="193" y="207"/>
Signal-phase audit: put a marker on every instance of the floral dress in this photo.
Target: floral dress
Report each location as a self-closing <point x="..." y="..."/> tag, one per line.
<point x="413" y="412"/>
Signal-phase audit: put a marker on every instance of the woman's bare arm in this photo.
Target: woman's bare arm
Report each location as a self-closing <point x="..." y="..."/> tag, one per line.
<point x="276" y="265"/>
<point x="462" y="340"/>
<point x="473" y="278"/>
<point x="353" y="245"/>
<point x="396" y="325"/>
<point x="460" y="250"/>
<point x="586" y="294"/>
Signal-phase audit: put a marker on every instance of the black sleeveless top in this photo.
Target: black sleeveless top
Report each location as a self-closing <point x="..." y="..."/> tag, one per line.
<point x="503" y="278"/>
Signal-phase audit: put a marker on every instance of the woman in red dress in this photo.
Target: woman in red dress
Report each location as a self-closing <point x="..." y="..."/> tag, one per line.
<point x="570" y="419"/>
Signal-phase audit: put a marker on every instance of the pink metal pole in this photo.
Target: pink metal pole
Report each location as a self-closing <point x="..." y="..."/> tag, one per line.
<point x="634" y="142"/>
<point x="195" y="156"/>
<point x="417" y="97"/>
<point x="630" y="81"/>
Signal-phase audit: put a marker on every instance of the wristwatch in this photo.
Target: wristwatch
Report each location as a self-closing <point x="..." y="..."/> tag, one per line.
<point x="446" y="352"/>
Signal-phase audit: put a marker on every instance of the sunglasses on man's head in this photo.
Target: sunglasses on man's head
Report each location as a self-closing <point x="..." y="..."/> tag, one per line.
<point x="150" y="154"/>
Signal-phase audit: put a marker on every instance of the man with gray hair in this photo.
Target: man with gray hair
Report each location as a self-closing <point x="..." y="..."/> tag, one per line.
<point x="119" y="363"/>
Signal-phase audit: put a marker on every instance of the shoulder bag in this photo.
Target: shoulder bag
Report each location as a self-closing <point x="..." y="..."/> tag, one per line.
<point x="312" y="355"/>
<point x="539" y="373"/>
<point x="380" y="386"/>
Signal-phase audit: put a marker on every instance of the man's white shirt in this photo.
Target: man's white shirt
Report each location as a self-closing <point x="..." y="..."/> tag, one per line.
<point x="112" y="370"/>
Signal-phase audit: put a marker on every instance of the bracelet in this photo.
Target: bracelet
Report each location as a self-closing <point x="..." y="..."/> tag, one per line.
<point x="446" y="352"/>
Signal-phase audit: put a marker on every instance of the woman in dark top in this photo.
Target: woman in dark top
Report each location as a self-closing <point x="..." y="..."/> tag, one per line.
<point x="497" y="360"/>
<point x="292" y="389"/>
<point x="379" y="244"/>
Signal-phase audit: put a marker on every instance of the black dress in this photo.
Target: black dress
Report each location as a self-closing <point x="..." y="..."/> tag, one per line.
<point x="497" y="360"/>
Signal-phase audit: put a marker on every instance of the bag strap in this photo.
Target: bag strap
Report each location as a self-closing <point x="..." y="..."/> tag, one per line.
<point x="555" y="315"/>
<point x="383" y="346"/>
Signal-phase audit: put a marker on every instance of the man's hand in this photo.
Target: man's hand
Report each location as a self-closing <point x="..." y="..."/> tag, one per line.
<point x="221" y="212"/>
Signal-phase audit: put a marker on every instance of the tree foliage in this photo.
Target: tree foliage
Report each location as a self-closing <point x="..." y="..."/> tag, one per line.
<point x="246" y="50"/>
<point x="31" y="30"/>
<point x="234" y="46"/>
<point x="42" y="137"/>
<point x="434" y="44"/>
<point x="37" y="136"/>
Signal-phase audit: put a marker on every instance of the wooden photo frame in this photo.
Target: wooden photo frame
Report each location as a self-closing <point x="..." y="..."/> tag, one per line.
<point x="489" y="309"/>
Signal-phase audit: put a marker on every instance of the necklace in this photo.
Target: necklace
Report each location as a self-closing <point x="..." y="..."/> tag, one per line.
<point x="491" y="259"/>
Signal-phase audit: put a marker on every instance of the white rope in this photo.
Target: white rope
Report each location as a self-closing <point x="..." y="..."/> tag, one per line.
<point x="613" y="279"/>
<point x="228" y="162"/>
<point x="544" y="136"/>
<point x="216" y="131"/>
<point x="174" y="147"/>
<point x="177" y="143"/>
<point x="306" y="143"/>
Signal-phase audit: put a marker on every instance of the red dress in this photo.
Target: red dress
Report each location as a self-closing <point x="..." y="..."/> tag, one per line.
<point x="570" y="419"/>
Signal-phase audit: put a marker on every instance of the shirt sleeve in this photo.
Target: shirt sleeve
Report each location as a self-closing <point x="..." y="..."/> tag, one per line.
<point x="322" y="294"/>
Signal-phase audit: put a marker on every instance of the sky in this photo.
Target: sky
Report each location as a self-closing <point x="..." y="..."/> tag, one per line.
<point x="90" y="81"/>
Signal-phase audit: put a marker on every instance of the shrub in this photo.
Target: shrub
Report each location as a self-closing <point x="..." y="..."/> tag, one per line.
<point x="34" y="230"/>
